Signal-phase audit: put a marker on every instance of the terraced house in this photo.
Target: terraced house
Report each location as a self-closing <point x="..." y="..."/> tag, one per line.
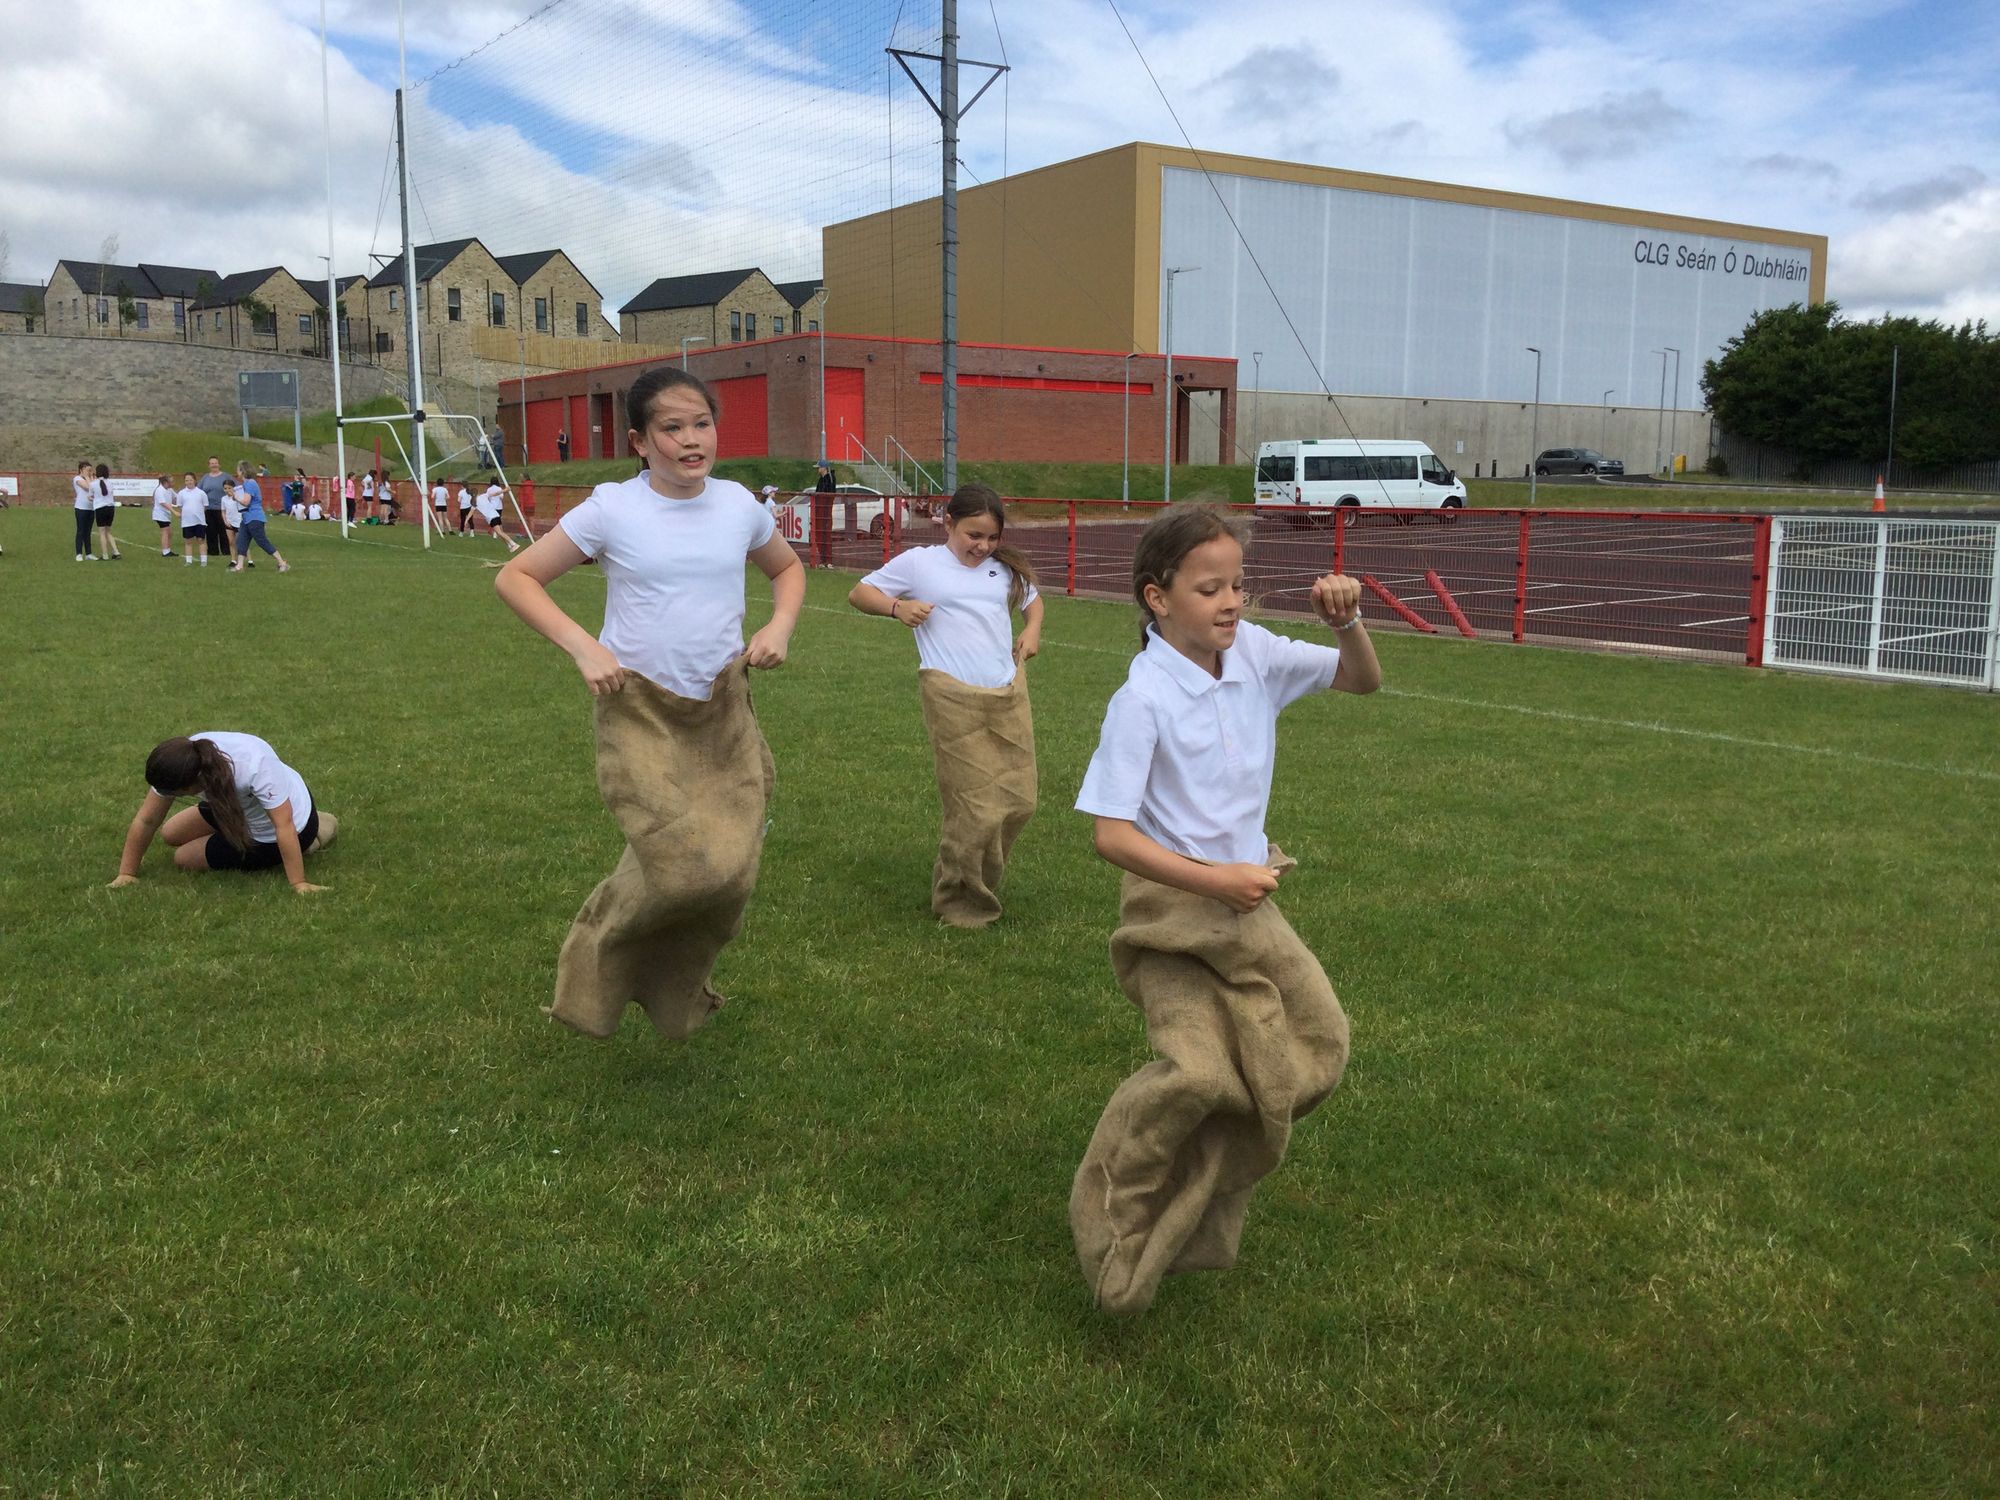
<point x="91" y="298"/>
<point x="474" y="307"/>
<point x="719" y="307"/>
<point x="268" y="309"/>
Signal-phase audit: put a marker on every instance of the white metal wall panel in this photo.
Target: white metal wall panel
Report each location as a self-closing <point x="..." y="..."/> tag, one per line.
<point x="1397" y="296"/>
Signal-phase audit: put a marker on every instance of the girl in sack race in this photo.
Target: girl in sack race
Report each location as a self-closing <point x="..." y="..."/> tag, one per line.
<point x="1249" y="1034"/>
<point x="959" y="600"/>
<point x="681" y="762"/>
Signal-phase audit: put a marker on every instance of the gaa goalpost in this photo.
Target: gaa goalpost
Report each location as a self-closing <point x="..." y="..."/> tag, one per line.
<point x="421" y="480"/>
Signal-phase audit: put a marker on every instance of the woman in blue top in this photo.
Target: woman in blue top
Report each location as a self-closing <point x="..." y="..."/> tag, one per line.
<point x="251" y="529"/>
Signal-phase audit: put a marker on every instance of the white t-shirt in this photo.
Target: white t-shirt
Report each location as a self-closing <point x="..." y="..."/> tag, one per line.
<point x="262" y="782"/>
<point x="194" y="506"/>
<point x="673" y="570"/>
<point x="100" y="494"/>
<point x="970" y="633"/>
<point x="440" y="495"/>
<point x="1188" y="757"/>
<point x="84" y="499"/>
<point x="489" y="502"/>
<point x="232" y="509"/>
<point x="368" y="488"/>
<point x="163" y="503"/>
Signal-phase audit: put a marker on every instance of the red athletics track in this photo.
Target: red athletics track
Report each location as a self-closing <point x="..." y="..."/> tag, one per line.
<point x="1686" y="584"/>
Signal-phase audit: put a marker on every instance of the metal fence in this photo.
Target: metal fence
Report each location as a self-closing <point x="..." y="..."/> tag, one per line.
<point x="1913" y="600"/>
<point x="1757" y="462"/>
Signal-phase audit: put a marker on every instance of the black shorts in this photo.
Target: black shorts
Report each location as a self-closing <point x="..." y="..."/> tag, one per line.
<point x="106" y="514"/>
<point x="194" y="533"/>
<point x="223" y="855"/>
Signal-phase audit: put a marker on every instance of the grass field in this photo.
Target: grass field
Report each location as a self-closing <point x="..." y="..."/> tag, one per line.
<point x="1666" y="1164"/>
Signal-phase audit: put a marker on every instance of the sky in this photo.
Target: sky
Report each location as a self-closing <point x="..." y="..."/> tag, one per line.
<point x="657" y="137"/>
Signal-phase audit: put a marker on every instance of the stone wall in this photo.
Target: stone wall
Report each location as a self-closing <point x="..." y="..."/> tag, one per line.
<point x="100" y="383"/>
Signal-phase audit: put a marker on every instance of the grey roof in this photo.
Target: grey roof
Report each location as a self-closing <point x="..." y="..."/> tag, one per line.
<point x="14" y="295"/>
<point x="702" y="290"/>
<point x="176" y="281"/>
<point x="141" y="281"/>
<point x="316" y="289"/>
<point x="799" y="293"/>
<point x="431" y="259"/>
<point x="520" y="267"/>
<point x="238" y="285"/>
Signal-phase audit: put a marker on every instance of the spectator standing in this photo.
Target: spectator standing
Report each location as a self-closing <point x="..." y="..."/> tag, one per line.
<point x="822" y="537"/>
<point x="214" y="535"/>
<point x="562" y="446"/>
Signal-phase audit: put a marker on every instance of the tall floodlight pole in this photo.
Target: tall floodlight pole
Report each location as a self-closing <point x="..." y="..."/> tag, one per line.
<point x="1895" y="365"/>
<point x="949" y="114"/>
<point x="1125" y="460"/>
<point x="1167" y="467"/>
<point x="332" y="283"/>
<point x="1660" y="421"/>
<point x="1535" y="429"/>
<point x="416" y="361"/>
<point x="692" y="338"/>
<point x="1604" y="422"/>
<point x="1674" y="429"/>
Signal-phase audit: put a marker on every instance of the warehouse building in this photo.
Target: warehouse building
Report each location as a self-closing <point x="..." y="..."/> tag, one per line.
<point x="1416" y="304"/>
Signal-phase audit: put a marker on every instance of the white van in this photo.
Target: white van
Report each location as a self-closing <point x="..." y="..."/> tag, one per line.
<point x="1350" y="471"/>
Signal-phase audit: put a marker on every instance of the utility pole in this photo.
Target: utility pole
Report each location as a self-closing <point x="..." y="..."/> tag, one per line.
<point x="949" y="114"/>
<point x="333" y="288"/>
<point x="1660" y="421"/>
<point x="1604" y="422"/>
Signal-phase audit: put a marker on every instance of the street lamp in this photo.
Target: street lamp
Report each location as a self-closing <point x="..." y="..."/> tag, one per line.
<point x="1660" y="421"/>
<point x="1604" y="423"/>
<point x="693" y="338"/>
<point x="1535" y="438"/>
<point x="1674" y="427"/>
<point x="1256" y="396"/>
<point x="820" y="293"/>
<point x="1167" y="469"/>
<point x="1125" y="465"/>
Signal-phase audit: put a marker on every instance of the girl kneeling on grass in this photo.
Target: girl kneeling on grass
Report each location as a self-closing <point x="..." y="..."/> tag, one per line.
<point x="681" y="761"/>
<point x="959" y="599"/>
<point x="249" y="815"/>
<point x="1250" y="1034"/>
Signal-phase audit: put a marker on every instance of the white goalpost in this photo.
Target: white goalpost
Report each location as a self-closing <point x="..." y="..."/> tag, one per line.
<point x="421" y="418"/>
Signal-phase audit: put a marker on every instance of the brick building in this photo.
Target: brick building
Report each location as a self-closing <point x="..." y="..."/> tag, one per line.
<point x="90" y="298"/>
<point x="1014" y="403"/>
<point x="268" y="309"/>
<point x="717" y="307"/>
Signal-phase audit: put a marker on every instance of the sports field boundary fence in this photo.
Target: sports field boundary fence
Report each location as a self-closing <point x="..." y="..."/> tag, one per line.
<point x="1907" y="599"/>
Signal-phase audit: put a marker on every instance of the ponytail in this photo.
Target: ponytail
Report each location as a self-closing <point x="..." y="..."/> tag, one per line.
<point x="180" y="764"/>
<point x="970" y="500"/>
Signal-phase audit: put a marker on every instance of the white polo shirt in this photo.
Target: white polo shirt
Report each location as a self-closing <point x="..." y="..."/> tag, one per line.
<point x="440" y="495"/>
<point x="489" y="502"/>
<point x="194" y="506"/>
<point x="1187" y="757"/>
<point x="970" y="632"/>
<point x="262" y="782"/>
<point x="673" y="573"/>
<point x="163" y="503"/>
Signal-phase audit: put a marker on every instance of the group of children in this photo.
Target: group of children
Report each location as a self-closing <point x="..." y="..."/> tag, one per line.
<point x="229" y="528"/>
<point x="1250" y="1033"/>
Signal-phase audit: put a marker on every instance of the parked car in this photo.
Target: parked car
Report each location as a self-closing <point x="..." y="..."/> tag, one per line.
<point x="1576" y="461"/>
<point x="869" y="507"/>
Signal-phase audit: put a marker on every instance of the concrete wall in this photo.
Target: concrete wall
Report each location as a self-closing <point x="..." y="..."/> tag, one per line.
<point x="1467" y="435"/>
<point x="100" y="382"/>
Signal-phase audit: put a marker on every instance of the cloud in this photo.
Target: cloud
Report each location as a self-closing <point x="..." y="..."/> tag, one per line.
<point x="1618" y="125"/>
<point x="1942" y="261"/>
<point x="1784" y="164"/>
<point x="1249" y="82"/>
<point x="1923" y="194"/>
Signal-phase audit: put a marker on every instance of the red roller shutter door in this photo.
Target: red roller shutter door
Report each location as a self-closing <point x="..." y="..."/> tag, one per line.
<point x="744" y="430"/>
<point x="846" y="428"/>
<point x="545" y="420"/>
<point x="579" y="427"/>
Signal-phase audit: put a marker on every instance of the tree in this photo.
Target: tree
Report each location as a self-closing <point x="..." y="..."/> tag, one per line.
<point x="128" y="307"/>
<point x="262" y="318"/>
<point x="6" y="253"/>
<point x="1807" y="380"/>
<point x="35" y="306"/>
<point x="203" y="290"/>
<point x="105" y="251"/>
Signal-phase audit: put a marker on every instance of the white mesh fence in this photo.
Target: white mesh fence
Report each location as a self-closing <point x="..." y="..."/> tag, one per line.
<point x="1885" y="597"/>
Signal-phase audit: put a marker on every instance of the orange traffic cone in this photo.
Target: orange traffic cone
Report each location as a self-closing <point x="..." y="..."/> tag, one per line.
<point x="1879" y="506"/>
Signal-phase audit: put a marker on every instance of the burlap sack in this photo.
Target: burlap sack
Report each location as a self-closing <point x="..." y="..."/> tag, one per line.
<point x="688" y="782"/>
<point x="983" y="742"/>
<point x="1250" y="1038"/>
